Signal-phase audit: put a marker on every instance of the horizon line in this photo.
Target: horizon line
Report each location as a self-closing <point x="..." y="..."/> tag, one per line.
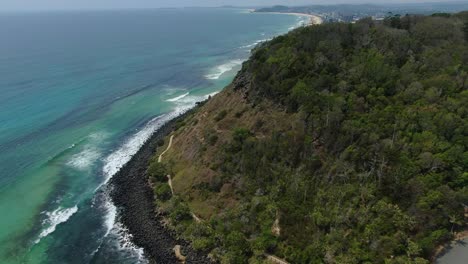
<point x="40" y="10"/>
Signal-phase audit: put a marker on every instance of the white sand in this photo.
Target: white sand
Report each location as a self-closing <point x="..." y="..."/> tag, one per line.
<point x="314" y="19"/>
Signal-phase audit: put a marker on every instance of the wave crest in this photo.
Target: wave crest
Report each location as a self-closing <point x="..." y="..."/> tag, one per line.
<point x="223" y="68"/>
<point x="55" y="218"/>
<point x="255" y="43"/>
<point x="177" y="98"/>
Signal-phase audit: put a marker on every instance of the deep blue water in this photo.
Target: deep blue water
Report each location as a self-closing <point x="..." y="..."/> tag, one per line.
<point x="79" y="94"/>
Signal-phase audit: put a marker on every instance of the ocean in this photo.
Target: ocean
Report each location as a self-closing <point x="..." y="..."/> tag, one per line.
<point x="80" y="92"/>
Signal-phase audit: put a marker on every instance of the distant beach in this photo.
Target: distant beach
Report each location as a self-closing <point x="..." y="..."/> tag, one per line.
<point x="313" y="19"/>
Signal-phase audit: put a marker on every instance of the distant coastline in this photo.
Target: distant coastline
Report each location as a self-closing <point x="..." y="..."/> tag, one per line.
<point x="313" y="19"/>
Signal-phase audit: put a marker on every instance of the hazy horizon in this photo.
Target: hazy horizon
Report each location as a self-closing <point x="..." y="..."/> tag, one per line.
<point x="44" y="5"/>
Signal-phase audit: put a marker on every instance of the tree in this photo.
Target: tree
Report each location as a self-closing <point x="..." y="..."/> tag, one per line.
<point x="157" y="171"/>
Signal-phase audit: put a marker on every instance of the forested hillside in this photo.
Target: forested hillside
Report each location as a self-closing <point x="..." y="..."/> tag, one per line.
<point x="337" y="143"/>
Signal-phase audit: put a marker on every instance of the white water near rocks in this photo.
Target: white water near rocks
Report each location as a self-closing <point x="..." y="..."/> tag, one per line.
<point x="116" y="160"/>
<point x="218" y="71"/>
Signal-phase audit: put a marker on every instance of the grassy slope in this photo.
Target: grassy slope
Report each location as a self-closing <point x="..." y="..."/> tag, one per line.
<point x="194" y="159"/>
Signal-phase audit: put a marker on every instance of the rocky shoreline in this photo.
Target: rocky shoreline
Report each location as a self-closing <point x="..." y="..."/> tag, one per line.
<point x="134" y="198"/>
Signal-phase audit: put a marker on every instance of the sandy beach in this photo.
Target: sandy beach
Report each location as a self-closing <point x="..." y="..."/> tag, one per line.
<point x="314" y="19"/>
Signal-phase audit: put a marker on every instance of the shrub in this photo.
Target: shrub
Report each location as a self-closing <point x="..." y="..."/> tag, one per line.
<point x="160" y="143"/>
<point x="179" y="124"/>
<point x="213" y="139"/>
<point x="180" y="212"/>
<point x="259" y="124"/>
<point x="264" y="242"/>
<point x="203" y="243"/>
<point x="163" y="191"/>
<point x="236" y="241"/>
<point x="239" y="114"/>
<point x="220" y="115"/>
<point x="241" y="134"/>
<point x="157" y="171"/>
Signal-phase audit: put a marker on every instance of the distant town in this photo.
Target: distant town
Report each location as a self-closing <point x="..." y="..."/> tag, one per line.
<point x="350" y="13"/>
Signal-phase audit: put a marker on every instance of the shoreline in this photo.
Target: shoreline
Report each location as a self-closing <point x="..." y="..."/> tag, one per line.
<point x="134" y="198"/>
<point x="313" y="19"/>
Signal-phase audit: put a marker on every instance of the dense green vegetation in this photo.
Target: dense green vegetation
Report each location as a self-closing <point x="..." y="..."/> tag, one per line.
<point x="377" y="172"/>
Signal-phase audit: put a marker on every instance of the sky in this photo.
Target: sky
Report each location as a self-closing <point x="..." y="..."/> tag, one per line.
<point x="12" y="5"/>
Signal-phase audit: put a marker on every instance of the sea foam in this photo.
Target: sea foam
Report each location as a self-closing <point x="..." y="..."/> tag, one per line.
<point x="111" y="214"/>
<point x="116" y="160"/>
<point x="250" y="46"/>
<point x="125" y="243"/>
<point x="84" y="159"/>
<point x="177" y="98"/>
<point x="89" y="154"/>
<point x="55" y="218"/>
<point x="223" y="68"/>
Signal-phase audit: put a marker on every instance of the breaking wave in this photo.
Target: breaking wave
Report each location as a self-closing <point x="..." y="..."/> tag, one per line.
<point x="255" y="43"/>
<point x="177" y="98"/>
<point x="120" y="157"/>
<point x="84" y="159"/>
<point x="55" y="218"/>
<point x="218" y="71"/>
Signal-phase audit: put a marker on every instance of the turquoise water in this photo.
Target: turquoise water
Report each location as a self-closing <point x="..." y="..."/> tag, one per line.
<point x="79" y="94"/>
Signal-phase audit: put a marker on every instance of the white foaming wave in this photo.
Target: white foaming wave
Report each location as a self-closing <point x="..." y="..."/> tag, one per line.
<point x="223" y="68"/>
<point x="188" y="102"/>
<point x="111" y="214"/>
<point x="124" y="243"/>
<point x="99" y="136"/>
<point x="249" y="46"/>
<point x="255" y="43"/>
<point x="177" y="98"/>
<point x="118" y="235"/>
<point x="211" y="94"/>
<point x="116" y="160"/>
<point x="103" y="200"/>
<point x="301" y="21"/>
<point x="84" y="159"/>
<point x="55" y="218"/>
